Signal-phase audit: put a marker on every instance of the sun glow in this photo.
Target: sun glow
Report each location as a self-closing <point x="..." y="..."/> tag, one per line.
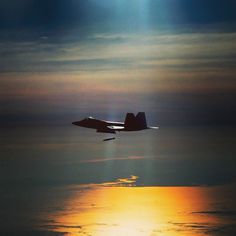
<point x="106" y="211"/>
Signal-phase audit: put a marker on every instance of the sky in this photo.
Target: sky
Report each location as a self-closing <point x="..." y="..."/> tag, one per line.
<point x="66" y="59"/>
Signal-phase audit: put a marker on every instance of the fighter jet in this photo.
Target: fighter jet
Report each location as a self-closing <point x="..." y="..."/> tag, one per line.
<point x="131" y="123"/>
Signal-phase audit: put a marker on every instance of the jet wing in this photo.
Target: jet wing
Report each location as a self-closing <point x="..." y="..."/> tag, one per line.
<point x="114" y="127"/>
<point x="152" y="127"/>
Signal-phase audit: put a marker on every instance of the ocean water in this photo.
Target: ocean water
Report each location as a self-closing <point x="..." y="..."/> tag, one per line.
<point x="119" y="210"/>
<point x="67" y="181"/>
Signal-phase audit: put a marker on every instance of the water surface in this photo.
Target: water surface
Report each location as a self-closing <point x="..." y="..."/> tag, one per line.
<point x="66" y="181"/>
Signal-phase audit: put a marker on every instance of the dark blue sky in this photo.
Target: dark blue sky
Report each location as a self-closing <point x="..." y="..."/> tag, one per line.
<point x="58" y="14"/>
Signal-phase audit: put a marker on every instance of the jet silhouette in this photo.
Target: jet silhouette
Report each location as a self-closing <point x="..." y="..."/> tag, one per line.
<point x="132" y="123"/>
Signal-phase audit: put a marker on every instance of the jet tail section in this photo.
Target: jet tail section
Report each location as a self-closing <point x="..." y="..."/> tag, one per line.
<point x="137" y="122"/>
<point x="130" y="121"/>
<point x="141" y="120"/>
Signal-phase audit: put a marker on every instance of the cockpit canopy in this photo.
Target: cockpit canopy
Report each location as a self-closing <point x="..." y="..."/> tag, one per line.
<point x="89" y="118"/>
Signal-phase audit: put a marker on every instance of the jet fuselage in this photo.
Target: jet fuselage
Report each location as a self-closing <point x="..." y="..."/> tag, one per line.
<point x="132" y="123"/>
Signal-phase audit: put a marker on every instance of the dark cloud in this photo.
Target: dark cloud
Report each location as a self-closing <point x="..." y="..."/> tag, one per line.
<point x="171" y="109"/>
<point x="206" y="108"/>
<point x="207" y="228"/>
<point x="32" y="233"/>
<point x="218" y="213"/>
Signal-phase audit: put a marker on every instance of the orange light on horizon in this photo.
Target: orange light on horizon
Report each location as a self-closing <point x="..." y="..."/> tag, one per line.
<point x="144" y="211"/>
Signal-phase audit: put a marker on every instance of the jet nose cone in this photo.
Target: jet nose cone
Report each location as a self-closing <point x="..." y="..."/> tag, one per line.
<point x="75" y="123"/>
<point x="79" y="123"/>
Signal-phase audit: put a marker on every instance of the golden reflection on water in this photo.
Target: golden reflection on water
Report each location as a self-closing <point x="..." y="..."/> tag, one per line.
<point x="145" y="211"/>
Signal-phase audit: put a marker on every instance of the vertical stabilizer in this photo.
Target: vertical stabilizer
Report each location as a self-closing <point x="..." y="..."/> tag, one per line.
<point x="137" y="122"/>
<point x="130" y="121"/>
<point x="141" y="120"/>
